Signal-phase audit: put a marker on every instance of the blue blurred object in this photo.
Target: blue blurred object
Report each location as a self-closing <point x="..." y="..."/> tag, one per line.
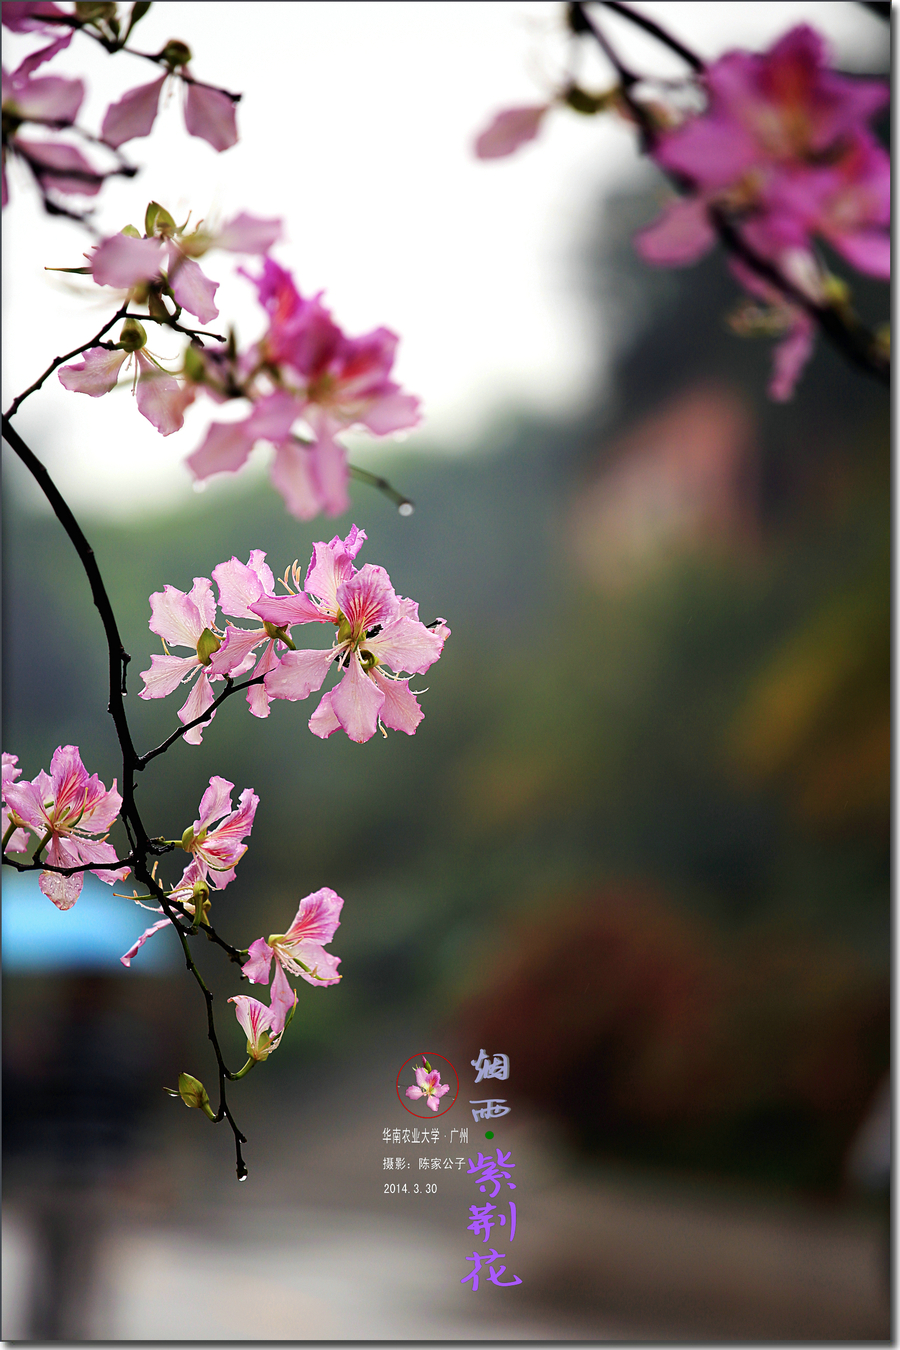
<point x="90" y="936"/>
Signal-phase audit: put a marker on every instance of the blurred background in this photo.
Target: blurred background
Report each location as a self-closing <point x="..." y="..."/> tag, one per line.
<point x="641" y="841"/>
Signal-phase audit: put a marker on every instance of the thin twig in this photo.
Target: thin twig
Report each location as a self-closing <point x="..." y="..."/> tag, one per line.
<point x="58" y="361"/>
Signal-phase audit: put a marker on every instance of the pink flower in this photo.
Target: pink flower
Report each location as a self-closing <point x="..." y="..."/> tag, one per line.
<point x="429" y="1086"/>
<point x="329" y="380"/>
<point x="34" y="16"/>
<point x="68" y="808"/>
<point x="160" y="398"/>
<point x="167" y="257"/>
<point x="184" y="620"/>
<point x="18" y="839"/>
<point x="218" y="849"/>
<point x="796" y="346"/>
<point x="208" y="113"/>
<point x="49" y="99"/>
<point x="510" y="129"/>
<point x="375" y="628"/>
<point x="240" y="585"/>
<point x="262" y="1026"/>
<point x="783" y="150"/>
<point x="300" y="950"/>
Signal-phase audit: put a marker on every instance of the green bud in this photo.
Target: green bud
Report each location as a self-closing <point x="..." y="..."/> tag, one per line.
<point x="194" y="367"/>
<point x="193" y="1093"/>
<point x="344" y="629"/>
<point x="588" y="104"/>
<point x="280" y="634"/>
<point x="157" y="308"/>
<point x="92" y="10"/>
<point x="202" y="904"/>
<point x="157" y="220"/>
<point x="208" y="644"/>
<point x="132" y="337"/>
<point x="176" y="53"/>
<point x="137" y="13"/>
<point x="132" y="231"/>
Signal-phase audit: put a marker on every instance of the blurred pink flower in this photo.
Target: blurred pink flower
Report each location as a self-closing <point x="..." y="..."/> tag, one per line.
<point x="783" y="150"/>
<point x="160" y="398"/>
<point x="208" y="113"/>
<point x="328" y="380"/>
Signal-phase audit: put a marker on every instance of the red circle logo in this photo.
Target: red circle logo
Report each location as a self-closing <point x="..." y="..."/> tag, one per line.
<point x="410" y="1103"/>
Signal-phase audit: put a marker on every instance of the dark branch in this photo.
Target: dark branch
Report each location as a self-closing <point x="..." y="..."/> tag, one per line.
<point x="655" y="30"/>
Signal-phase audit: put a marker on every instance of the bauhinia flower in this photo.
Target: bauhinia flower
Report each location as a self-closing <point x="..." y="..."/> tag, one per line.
<point x="784" y="152"/>
<point x="375" y="629"/>
<point x="300" y="951"/>
<point x="184" y="620"/>
<point x="50" y="101"/>
<point x="240" y="585"/>
<point x="217" y="849"/>
<point x="428" y="1085"/>
<point x="208" y="112"/>
<point x="67" y="810"/>
<point x="160" y="398"/>
<point x="306" y="369"/>
<point x="262" y="1026"/>
<point x="18" y="837"/>
<point x="164" y="258"/>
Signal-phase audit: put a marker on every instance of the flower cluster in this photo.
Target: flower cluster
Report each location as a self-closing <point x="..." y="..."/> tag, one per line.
<point x="51" y="101"/>
<point x="378" y="634"/>
<point x="213" y="848"/>
<point x="303" y="376"/>
<point x="66" y="810"/>
<point x="781" y="155"/>
<point x="303" y="369"/>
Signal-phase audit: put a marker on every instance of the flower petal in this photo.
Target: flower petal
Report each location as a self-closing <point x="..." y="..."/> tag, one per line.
<point x="210" y="115"/>
<point x="299" y="674"/>
<point x="356" y="703"/>
<point x="133" y="115"/>
<point x="96" y="375"/>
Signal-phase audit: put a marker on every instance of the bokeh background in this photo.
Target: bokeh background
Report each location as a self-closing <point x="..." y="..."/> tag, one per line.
<point x="640" y="842"/>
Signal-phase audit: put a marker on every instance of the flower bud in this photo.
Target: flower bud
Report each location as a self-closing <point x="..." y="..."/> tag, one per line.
<point x="194" y="367"/>
<point x="91" y="10"/>
<point x="201" y="901"/>
<point x="193" y="1093"/>
<point x="132" y="337"/>
<point x="157" y="220"/>
<point x="176" y="53"/>
<point x="588" y="104"/>
<point x="207" y="645"/>
<point x="156" y="307"/>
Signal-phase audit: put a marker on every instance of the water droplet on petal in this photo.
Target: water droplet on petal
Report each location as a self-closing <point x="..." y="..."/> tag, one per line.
<point x="406" y="508"/>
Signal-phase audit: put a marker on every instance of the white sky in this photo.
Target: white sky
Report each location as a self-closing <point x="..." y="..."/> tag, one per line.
<point x="356" y="128"/>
